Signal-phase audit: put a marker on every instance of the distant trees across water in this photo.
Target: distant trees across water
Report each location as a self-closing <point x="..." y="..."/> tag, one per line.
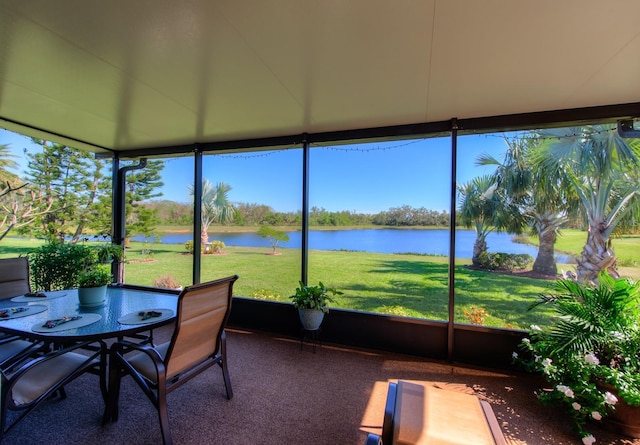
<point x="174" y="213"/>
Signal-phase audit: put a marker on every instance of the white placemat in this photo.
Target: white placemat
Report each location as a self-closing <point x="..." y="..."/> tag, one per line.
<point x="49" y="296"/>
<point x="29" y="310"/>
<point x="135" y="318"/>
<point x="85" y="320"/>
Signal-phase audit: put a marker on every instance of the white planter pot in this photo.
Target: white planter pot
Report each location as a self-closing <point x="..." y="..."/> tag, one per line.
<point x="92" y="296"/>
<point x="311" y="318"/>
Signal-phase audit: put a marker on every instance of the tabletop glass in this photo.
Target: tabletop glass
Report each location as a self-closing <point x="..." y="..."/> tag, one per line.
<point x="119" y="302"/>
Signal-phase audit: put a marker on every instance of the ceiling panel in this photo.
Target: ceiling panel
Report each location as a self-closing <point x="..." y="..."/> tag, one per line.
<point x="124" y="75"/>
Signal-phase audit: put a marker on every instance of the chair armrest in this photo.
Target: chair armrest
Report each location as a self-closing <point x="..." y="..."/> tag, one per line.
<point x="117" y="350"/>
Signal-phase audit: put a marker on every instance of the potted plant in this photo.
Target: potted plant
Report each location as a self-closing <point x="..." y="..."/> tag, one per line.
<point x="92" y="285"/>
<point x="590" y="354"/>
<point x="312" y="303"/>
<point x="105" y="251"/>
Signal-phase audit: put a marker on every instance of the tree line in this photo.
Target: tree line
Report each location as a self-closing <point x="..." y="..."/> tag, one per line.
<point x="246" y="214"/>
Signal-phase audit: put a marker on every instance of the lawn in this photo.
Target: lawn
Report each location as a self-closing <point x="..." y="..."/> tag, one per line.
<point x="626" y="248"/>
<point x="405" y="285"/>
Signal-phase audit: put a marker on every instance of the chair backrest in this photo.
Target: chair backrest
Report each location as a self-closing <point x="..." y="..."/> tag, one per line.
<point x="203" y="310"/>
<point x="14" y="277"/>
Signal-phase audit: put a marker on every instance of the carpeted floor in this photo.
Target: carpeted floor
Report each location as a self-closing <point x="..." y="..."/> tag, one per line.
<point x="287" y="396"/>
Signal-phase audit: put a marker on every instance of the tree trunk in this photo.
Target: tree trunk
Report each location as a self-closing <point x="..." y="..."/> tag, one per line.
<point x="478" y="247"/>
<point x="545" y="262"/>
<point x="204" y="235"/>
<point x="596" y="256"/>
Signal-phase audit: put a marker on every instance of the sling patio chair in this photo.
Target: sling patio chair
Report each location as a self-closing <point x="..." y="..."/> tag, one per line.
<point x="14" y="277"/>
<point x="14" y="281"/>
<point x="198" y="342"/>
<point x="33" y="381"/>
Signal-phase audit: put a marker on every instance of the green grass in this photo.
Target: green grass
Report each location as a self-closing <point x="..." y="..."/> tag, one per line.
<point x="626" y="248"/>
<point x="405" y="285"/>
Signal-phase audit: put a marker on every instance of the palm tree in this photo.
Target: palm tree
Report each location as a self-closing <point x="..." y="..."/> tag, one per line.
<point x="543" y="197"/>
<point x="604" y="170"/>
<point x="484" y="207"/>
<point x="215" y="206"/>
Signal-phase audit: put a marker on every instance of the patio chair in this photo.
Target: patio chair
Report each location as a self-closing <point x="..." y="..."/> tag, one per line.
<point x="37" y="380"/>
<point x="14" y="281"/>
<point x="14" y="277"/>
<point x="197" y="343"/>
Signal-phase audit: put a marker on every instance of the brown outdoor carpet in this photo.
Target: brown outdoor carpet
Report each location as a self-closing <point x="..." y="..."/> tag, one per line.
<point x="287" y="396"/>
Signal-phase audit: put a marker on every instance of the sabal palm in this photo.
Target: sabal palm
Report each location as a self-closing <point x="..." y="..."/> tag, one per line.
<point x="483" y="207"/>
<point x="539" y="192"/>
<point x="604" y="170"/>
<point x="215" y="206"/>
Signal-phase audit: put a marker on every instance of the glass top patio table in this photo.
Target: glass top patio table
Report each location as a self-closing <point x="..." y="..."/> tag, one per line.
<point x="119" y="301"/>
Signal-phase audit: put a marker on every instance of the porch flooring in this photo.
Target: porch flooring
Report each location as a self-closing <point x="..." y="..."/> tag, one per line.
<point x="287" y="396"/>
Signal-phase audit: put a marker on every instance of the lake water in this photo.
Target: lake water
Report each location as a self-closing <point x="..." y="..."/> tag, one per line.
<point x="434" y="242"/>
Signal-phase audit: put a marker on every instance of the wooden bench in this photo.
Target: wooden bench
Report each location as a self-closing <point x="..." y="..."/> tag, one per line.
<point x="418" y="413"/>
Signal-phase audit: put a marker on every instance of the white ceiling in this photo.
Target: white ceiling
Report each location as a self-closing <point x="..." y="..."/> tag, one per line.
<point x="124" y="74"/>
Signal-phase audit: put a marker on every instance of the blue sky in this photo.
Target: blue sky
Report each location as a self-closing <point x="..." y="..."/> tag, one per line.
<point x="366" y="178"/>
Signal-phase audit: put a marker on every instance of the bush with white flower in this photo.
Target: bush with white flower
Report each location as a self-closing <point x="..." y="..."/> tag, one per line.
<point x="591" y="349"/>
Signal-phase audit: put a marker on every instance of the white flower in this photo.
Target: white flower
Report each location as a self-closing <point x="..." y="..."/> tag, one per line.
<point x="537" y="358"/>
<point x="569" y="393"/>
<point x="596" y="415"/>
<point x="535" y="327"/>
<point x="546" y="362"/>
<point x="576" y="406"/>
<point x="610" y="398"/>
<point x="514" y="355"/>
<point x="565" y="390"/>
<point x="526" y="340"/>
<point x="588" y="440"/>
<point x="591" y="359"/>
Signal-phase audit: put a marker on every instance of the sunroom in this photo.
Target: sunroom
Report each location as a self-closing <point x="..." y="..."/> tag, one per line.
<point x="312" y="109"/>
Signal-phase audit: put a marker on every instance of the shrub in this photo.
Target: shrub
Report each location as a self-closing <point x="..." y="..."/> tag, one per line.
<point x="217" y="246"/>
<point x="56" y="266"/>
<point x="166" y="282"/>
<point x="504" y="261"/>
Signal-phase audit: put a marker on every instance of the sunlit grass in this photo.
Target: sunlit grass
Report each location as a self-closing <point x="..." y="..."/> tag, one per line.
<point x="404" y="285"/>
<point x="625" y="247"/>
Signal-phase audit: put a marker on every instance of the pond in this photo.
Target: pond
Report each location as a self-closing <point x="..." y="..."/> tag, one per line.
<point x="429" y="242"/>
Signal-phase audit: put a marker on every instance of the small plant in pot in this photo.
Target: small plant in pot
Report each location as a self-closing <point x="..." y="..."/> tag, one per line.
<point x="590" y="354"/>
<point x="105" y="252"/>
<point x="312" y="303"/>
<point x="92" y="285"/>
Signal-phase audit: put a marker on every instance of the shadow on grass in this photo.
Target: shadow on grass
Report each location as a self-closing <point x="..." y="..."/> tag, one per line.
<point x="15" y="251"/>
<point x="420" y="289"/>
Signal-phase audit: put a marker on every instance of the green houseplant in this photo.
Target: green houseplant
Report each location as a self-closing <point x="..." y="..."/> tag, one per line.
<point x="104" y="250"/>
<point x="590" y="354"/>
<point x="92" y="285"/>
<point x="312" y="303"/>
